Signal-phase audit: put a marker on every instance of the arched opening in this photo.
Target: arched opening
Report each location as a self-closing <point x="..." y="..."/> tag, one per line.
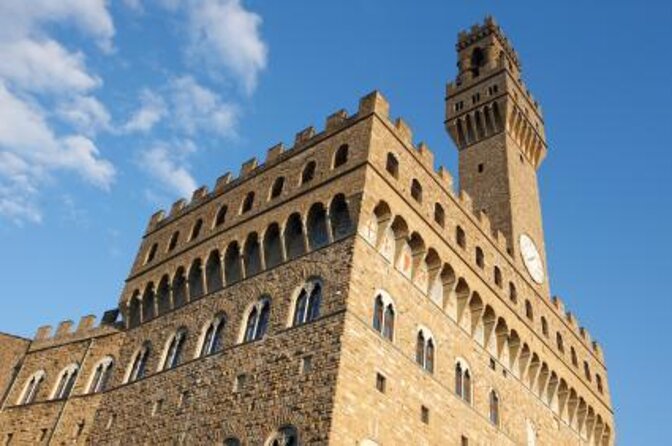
<point x="308" y="172"/>
<point x="392" y="165"/>
<point x="257" y="320"/>
<point x="318" y="234"/>
<point x="220" y="219"/>
<point x="529" y="312"/>
<point x="498" y="276"/>
<point x="196" y="289"/>
<point x="276" y="189"/>
<point x="139" y="364"/>
<point x="163" y="295"/>
<point x="460" y="237"/>
<point x="494" y="408"/>
<point x="513" y="293"/>
<point x="294" y="239"/>
<point x="101" y="375"/>
<point x="151" y="254"/>
<point x="148" y="308"/>
<point x="66" y="382"/>
<point x="477" y="61"/>
<point x="252" y="255"/>
<point x="273" y="246"/>
<point x="213" y="337"/>
<point x="248" y="202"/>
<point x="480" y="257"/>
<point x="341" y="156"/>
<point x="196" y="230"/>
<point x="308" y="301"/>
<point x="439" y="215"/>
<point x="341" y="223"/>
<point x="174" y="350"/>
<point x="213" y="272"/>
<point x="172" y="243"/>
<point x="559" y="342"/>
<point x="32" y="388"/>
<point x="134" y="310"/>
<point x="416" y="190"/>
<point x="179" y="288"/>
<point x="285" y="436"/>
<point x="232" y="264"/>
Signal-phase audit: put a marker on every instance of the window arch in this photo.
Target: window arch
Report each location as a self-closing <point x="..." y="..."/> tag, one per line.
<point x="101" y="375"/>
<point x="480" y="257"/>
<point x="424" y="350"/>
<point x="257" y="320"/>
<point x="544" y="326"/>
<point x="339" y="214"/>
<point x="212" y="339"/>
<point x="318" y="234"/>
<point x="163" y="295"/>
<point x="416" y="190"/>
<point x="196" y="230"/>
<point x="277" y="187"/>
<point x="494" y="408"/>
<point x="575" y="361"/>
<point x="341" y="156"/>
<point x="138" y="367"/>
<point x="460" y="237"/>
<point x="232" y="441"/>
<point x="172" y="355"/>
<point x="273" y="246"/>
<point x="220" y="218"/>
<point x="463" y="381"/>
<point x="392" y="165"/>
<point x="32" y="387"/>
<point x="559" y="342"/>
<point x="196" y="288"/>
<point x="173" y="240"/>
<point x="384" y="315"/>
<point x="248" y="202"/>
<point x="232" y="264"/>
<point x="252" y="255"/>
<point x="307" y="302"/>
<point x="66" y="382"/>
<point x="308" y="172"/>
<point x="213" y="272"/>
<point x="498" y="276"/>
<point x="513" y="293"/>
<point x="529" y="312"/>
<point x="148" y="304"/>
<point x="598" y="381"/>
<point x="439" y="215"/>
<point x="285" y="436"/>
<point x="294" y="237"/>
<point x="586" y="370"/>
<point x="179" y="288"/>
<point x="151" y="254"/>
<point x="134" y="310"/>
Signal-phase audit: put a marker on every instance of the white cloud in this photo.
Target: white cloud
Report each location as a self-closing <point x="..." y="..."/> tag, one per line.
<point x="167" y="164"/>
<point x="197" y="108"/>
<point x="85" y="113"/>
<point x="152" y="110"/>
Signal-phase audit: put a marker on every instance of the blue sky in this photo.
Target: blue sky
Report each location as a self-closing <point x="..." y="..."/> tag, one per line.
<point x="110" y="111"/>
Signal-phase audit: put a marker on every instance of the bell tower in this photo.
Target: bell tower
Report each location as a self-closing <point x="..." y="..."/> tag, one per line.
<point x="498" y="130"/>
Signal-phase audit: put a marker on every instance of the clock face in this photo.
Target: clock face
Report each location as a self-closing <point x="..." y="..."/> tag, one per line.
<point x="532" y="258"/>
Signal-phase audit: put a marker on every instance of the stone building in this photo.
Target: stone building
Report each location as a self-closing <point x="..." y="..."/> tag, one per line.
<point x="338" y="293"/>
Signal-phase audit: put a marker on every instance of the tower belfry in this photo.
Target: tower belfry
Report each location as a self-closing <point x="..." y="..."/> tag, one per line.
<point x="498" y="129"/>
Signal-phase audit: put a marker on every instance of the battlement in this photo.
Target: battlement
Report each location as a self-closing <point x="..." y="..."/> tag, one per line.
<point x="86" y="328"/>
<point x="479" y="31"/>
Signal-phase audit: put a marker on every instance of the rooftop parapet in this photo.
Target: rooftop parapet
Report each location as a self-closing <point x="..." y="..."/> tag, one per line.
<point x="374" y="102"/>
<point x="85" y="328"/>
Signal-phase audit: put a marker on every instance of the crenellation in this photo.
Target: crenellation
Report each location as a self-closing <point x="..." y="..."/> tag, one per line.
<point x="222" y="182"/>
<point x="199" y="195"/>
<point x="304" y="136"/>
<point x="64" y="328"/>
<point x="374" y="102"/>
<point x="336" y="120"/>
<point x="404" y="131"/>
<point x="155" y="220"/>
<point x="43" y="332"/>
<point x="86" y="323"/>
<point x="177" y="208"/>
<point x="425" y="155"/>
<point x="248" y="167"/>
<point x="446" y="178"/>
<point x="559" y="305"/>
<point x="274" y="153"/>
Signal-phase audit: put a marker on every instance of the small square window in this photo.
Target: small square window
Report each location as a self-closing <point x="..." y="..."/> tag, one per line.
<point x="481" y="167"/>
<point x="381" y="383"/>
<point x="424" y="414"/>
<point x="493" y="364"/>
<point x="306" y="364"/>
<point x="158" y="405"/>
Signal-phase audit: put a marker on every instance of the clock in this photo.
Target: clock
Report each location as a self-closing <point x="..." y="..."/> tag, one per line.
<point x="532" y="259"/>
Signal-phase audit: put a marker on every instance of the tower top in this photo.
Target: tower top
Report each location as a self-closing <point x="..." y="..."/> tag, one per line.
<point x="479" y="32"/>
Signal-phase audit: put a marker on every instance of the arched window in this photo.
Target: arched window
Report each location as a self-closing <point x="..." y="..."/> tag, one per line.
<point x="460" y="237"/>
<point x="529" y="313"/>
<point x="276" y="188"/>
<point x="383" y="316"/>
<point x="318" y="235"/>
<point x="416" y="190"/>
<point x="173" y="353"/>
<point x="477" y="61"/>
<point x="248" y="202"/>
<point x="257" y="320"/>
<point x="598" y="381"/>
<point x="494" y="408"/>
<point x="439" y="215"/>
<point x="544" y="326"/>
<point x="575" y="361"/>
<point x="341" y="223"/>
<point x="163" y="295"/>
<point x="480" y="257"/>
<point x="424" y="350"/>
<point x="252" y="255"/>
<point x="285" y="436"/>
<point x="220" y="219"/>
<point x="308" y="172"/>
<point x="498" y="276"/>
<point x="139" y="364"/>
<point x="134" y="310"/>
<point x="294" y="240"/>
<point x="179" y="288"/>
<point x="148" y="309"/>
<point x="173" y="240"/>
<point x="513" y="293"/>
<point x="101" y="374"/>
<point x="213" y="272"/>
<point x="213" y="336"/>
<point x="559" y="342"/>
<point x="32" y="387"/>
<point x="66" y="382"/>
<point x="232" y="441"/>
<point x="151" y="253"/>
<point x="463" y="382"/>
<point x="586" y="370"/>
<point x="341" y="156"/>
<point x="272" y="246"/>
<point x="308" y="300"/>
<point x="392" y="165"/>
<point x="232" y="264"/>
<point x="196" y="288"/>
<point x="196" y="230"/>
